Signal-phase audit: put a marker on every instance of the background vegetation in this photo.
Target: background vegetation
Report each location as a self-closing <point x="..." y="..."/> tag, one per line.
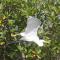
<point x="13" y="17"/>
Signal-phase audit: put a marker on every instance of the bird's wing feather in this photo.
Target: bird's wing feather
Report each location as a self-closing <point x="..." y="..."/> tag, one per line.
<point x="32" y="23"/>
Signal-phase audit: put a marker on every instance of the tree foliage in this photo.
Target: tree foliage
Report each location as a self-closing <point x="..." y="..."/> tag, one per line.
<point x="13" y="17"/>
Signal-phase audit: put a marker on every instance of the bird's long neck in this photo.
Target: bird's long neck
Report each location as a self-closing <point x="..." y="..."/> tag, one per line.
<point x="39" y="42"/>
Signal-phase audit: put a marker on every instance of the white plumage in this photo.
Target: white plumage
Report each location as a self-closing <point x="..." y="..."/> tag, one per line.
<point x="30" y="33"/>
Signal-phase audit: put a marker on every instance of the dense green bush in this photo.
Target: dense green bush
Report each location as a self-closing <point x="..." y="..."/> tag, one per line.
<point x="13" y="17"/>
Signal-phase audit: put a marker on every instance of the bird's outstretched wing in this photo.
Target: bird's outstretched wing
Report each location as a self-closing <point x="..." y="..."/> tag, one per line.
<point x="32" y="24"/>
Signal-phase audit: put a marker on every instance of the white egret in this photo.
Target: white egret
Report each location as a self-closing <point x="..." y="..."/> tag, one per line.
<point x="30" y="33"/>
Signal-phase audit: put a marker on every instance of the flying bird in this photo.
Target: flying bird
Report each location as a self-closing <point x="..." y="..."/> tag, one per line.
<point x="30" y="33"/>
